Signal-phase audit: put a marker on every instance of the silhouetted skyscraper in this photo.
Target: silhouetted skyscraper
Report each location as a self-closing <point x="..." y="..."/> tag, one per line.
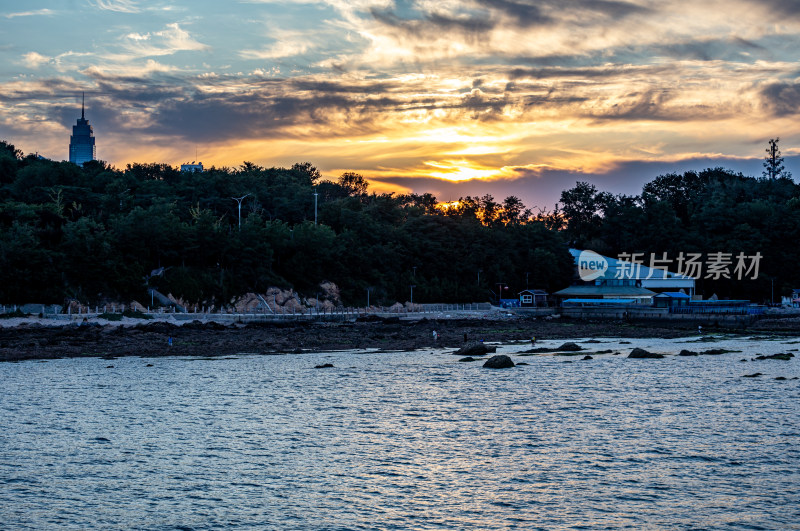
<point x="81" y="143"/>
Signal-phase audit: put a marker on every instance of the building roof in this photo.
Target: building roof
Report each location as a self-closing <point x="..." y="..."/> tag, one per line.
<point x="533" y="292"/>
<point x="673" y="295"/>
<point x="605" y="291"/>
<point x="600" y="301"/>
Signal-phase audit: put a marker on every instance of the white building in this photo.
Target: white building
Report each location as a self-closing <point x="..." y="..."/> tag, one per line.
<point x="624" y="273"/>
<point x="192" y="167"/>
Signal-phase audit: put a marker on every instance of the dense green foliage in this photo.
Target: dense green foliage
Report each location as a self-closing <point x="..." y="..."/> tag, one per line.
<point x="96" y="233"/>
<point x="707" y="212"/>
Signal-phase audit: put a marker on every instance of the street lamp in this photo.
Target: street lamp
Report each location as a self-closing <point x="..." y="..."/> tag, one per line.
<point x="239" y="201"/>
<point x="368" y="297"/>
<point x="500" y="287"/>
<point x="315" y="205"/>
<point x="412" y="294"/>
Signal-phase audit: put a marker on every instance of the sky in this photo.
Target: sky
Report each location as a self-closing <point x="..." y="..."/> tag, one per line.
<point x="455" y="98"/>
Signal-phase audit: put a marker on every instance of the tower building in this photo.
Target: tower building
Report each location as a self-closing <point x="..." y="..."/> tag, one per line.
<point x="81" y="143"/>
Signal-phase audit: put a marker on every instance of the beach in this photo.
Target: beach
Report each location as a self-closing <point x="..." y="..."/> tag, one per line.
<point x="36" y="339"/>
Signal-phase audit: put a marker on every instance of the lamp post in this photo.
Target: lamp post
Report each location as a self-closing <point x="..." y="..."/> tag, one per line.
<point x="412" y="295"/>
<point x="315" y="205"/>
<point x="500" y="287"/>
<point x="368" y="297"/>
<point x="239" y="201"/>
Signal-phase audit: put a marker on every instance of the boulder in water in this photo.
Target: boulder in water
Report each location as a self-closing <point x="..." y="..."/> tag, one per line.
<point x="785" y="357"/>
<point x="500" y="361"/>
<point x="473" y="349"/>
<point x="324" y="366"/>
<point x="640" y="353"/>
<point x="569" y="347"/>
<point x="587" y="357"/>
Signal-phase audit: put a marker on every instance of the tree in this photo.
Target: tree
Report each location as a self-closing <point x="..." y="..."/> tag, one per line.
<point x="580" y="208"/>
<point x="773" y="162"/>
<point x="354" y="183"/>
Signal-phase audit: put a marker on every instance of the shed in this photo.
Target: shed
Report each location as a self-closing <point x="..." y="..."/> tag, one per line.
<point x="531" y="298"/>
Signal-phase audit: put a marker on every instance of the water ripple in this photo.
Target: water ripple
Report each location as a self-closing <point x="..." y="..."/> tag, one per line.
<point x="401" y="441"/>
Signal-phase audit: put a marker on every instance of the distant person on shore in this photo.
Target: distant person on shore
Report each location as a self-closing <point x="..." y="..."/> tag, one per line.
<point x="435" y="335"/>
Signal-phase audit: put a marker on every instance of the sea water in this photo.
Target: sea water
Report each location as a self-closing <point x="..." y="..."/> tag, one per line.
<point x="412" y="440"/>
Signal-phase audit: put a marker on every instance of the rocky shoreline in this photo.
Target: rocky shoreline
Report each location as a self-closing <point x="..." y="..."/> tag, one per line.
<point x="159" y="338"/>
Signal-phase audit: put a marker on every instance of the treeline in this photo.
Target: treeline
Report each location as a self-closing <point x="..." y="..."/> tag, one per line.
<point x="97" y="233"/>
<point x="708" y="212"/>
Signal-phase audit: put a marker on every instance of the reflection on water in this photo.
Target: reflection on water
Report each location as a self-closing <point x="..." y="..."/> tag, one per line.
<point x="404" y="441"/>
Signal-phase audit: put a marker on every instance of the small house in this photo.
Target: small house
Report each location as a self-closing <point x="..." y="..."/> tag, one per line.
<point x="532" y="298"/>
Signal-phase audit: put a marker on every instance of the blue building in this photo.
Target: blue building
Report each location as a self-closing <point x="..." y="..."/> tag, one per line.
<point x="81" y="143"/>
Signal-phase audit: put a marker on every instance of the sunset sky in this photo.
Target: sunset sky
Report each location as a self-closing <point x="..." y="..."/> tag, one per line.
<point x="505" y="97"/>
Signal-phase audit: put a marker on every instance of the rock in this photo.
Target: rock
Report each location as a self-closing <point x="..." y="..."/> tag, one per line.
<point x="640" y="353"/>
<point x="587" y="357"/>
<point x="540" y="350"/>
<point x="473" y="349"/>
<point x="609" y="351"/>
<point x="522" y="363"/>
<point x="149" y="365"/>
<point x="324" y="366"/>
<point x="109" y="366"/>
<point x="754" y="375"/>
<point x="781" y="378"/>
<point x="715" y="351"/>
<point x="500" y="361"/>
<point x="784" y="357"/>
<point x="685" y="352"/>
<point x="569" y="347"/>
<point x="468" y="359"/>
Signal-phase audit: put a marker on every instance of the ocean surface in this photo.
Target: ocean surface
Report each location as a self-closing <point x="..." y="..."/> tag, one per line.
<point x="411" y="440"/>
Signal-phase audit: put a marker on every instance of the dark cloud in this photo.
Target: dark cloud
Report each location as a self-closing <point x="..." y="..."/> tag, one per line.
<point x="782" y="99"/>
<point x="781" y="7"/>
<point x="523" y="14"/>
<point x="586" y="72"/>
<point x="433" y="24"/>
<point x="650" y="105"/>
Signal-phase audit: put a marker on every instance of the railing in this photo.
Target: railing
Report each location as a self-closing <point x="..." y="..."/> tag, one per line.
<point x="261" y="312"/>
<point x="743" y="310"/>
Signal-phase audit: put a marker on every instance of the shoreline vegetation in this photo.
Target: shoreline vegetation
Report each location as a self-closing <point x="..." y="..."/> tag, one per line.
<point x="28" y="339"/>
<point x="95" y="235"/>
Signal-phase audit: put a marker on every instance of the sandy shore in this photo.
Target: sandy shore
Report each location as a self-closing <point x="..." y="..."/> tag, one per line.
<point x="28" y="339"/>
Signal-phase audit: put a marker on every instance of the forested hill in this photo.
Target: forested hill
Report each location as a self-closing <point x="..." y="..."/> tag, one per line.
<point x="96" y="233"/>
